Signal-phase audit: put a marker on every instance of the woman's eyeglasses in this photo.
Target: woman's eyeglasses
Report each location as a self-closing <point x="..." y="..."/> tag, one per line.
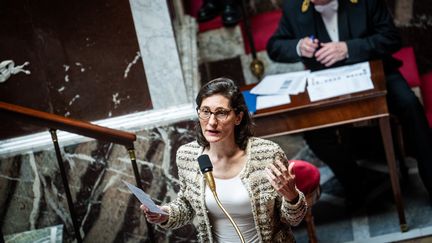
<point x="220" y="114"/>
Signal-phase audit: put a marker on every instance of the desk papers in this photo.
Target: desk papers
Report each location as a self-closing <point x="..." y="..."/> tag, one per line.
<point x="275" y="90"/>
<point x="144" y="198"/>
<point x="266" y="101"/>
<point x="285" y="83"/>
<point x="339" y="81"/>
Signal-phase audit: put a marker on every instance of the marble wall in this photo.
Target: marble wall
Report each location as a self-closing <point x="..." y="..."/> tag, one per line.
<point x="32" y="194"/>
<point x="84" y="60"/>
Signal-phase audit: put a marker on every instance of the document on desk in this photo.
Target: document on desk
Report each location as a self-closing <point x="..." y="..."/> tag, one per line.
<point x="144" y="198"/>
<point x="339" y="81"/>
<point x="275" y="90"/>
<point x="286" y="83"/>
<point x="267" y="101"/>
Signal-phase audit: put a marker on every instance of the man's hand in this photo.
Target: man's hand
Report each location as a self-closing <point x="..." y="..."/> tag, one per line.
<point x="331" y="52"/>
<point x="308" y="47"/>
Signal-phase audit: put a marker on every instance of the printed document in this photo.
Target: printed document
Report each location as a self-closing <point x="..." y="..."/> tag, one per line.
<point x="276" y="89"/>
<point x="266" y="101"/>
<point x="144" y="198"/>
<point x="285" y="83"/>
<point x="339" y="81"/>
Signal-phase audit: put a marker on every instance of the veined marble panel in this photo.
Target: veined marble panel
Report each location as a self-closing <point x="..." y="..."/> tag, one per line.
<point x="159" y="52"/>
<point x="32" y="194"/>
<point x="186" y="36"/>
<point x="220" y="44"/>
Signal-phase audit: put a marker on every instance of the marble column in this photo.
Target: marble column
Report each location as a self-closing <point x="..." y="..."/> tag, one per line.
<point x="159" y="52"/>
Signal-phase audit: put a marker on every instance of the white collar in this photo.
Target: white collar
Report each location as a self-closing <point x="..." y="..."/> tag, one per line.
<point x="332" y="5"/>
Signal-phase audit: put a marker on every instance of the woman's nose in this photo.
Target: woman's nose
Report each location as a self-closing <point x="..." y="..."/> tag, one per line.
<point x="212" y="119"/>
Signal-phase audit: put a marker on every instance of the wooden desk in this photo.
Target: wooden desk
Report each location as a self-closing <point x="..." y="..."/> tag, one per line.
<point x="302" y="115"/>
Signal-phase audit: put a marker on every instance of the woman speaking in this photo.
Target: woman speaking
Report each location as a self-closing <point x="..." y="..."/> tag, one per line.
<point x="254" y="180"/>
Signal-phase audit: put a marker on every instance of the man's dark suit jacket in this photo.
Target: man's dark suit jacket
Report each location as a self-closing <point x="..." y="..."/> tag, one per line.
<point x="366" y="26"/>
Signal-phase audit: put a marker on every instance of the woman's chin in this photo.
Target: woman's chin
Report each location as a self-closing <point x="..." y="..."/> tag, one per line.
<point x="212" y="139"/>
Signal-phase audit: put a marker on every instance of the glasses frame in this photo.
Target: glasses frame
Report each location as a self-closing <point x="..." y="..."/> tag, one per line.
<point x="214" y="113"/>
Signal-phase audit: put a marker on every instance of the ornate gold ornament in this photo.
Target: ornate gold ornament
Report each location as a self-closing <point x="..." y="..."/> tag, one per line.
<point x="306" y="3"/>
<point x="257" y="68"/>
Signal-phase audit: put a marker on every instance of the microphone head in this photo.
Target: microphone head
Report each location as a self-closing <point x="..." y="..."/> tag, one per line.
<point x="205" y="163"/>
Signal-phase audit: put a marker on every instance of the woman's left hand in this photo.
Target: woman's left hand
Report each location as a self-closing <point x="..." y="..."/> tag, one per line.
<point x="282" y="179"/>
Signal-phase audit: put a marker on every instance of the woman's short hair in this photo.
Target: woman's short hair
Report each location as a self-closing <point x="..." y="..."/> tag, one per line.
<point x="229" y="89"/>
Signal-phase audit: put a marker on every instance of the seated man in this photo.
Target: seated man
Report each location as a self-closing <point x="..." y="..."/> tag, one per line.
<point x="329" y="33"/>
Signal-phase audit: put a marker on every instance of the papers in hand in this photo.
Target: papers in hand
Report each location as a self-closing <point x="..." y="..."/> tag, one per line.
<point x="275" y="90"/>
<point x="144" y="198"/>
<point x="339" y="81"/>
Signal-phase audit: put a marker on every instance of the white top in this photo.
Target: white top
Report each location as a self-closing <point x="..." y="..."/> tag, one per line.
<point x="330" y="18"/>
<point x="235" y="199"/>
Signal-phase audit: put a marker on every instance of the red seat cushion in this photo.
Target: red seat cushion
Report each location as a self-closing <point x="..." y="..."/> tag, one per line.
<point x="409" y="67"/>
<point x="307" y="176"/>
<point x="262" y="26"/>
<point x="192" y="7"/>
<point x="213" y="24"/>
<point x="426" y="90"/>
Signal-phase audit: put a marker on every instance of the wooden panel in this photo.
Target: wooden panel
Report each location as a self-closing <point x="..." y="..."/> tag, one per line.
<point x="81" y="56"/>
<point x="301" y="114"/>
<point x="318" y="117"/>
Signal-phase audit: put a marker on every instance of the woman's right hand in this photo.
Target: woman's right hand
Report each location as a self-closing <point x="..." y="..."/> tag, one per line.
<point x="155" y="218"/>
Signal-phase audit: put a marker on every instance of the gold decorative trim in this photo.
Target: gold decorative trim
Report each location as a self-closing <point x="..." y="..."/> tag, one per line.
<point x="306" y="4"/>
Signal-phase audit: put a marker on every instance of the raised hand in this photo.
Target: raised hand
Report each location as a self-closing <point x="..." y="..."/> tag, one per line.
<point x="282" y="179"/>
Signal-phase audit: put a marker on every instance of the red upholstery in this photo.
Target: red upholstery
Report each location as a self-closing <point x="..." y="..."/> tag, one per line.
<point x="213" y="24"/>
<point x="409" y="67"/>
<point x="262" y="27"/>
<point x="426" y="90"/>
<point x="192" y="7"/>
<point x="307" y="176"/>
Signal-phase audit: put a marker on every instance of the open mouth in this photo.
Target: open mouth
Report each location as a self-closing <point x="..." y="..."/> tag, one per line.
<point x="212" y="132"/>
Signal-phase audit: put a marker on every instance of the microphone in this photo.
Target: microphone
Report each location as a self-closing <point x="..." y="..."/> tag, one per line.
<point x="206" y="168"/>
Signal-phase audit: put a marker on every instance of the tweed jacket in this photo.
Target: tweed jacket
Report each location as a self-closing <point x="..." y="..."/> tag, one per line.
<point x="272" y="214"/>
<point x="365" y="25"/>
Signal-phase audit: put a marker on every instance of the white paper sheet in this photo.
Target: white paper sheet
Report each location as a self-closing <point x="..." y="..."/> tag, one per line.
<point x="339" y="81"/>
<point x="266" y="101"/>
<point x="285" y="83"/>
<point x="144" y="198"/>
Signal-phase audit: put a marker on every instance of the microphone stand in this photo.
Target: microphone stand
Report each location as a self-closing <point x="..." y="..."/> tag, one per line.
<point x="212" y="186"/>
